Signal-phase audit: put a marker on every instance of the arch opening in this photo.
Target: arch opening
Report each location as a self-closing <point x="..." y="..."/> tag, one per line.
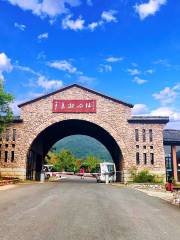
<point x="57" y="131"/>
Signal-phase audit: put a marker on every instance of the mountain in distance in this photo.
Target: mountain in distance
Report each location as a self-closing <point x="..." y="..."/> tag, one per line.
<point x="82" y="146"/>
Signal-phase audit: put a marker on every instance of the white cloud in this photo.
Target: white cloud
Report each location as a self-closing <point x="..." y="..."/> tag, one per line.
<point x="14" y="107"/>
<point x="86" y="80"/>
<point x="168" y="95"/>
<point x="139" y="109"/>
<point x="162" y="111"/>
<point x="139" y="80"/>
<point x="149" y="71"/>
<point x="174" y="116"/>
<point x="105" y="68"/>
<point x="53" y="8"/>
<point x="63" y="65"/>
<point x="32" y="5"/>
<point x="26" y="69"/>
<point x="109" y="16"/>
<point x="5" y="64"/>
<point x="49" y="84"/>
<point x="114" y="59"/>
<point x="150" y="8"/>
<point x="92" y="26"/>
<point x="41" y="81"/>
<point x="106" y="17"/>
<point x="43" y="36"/>
<point x="21" y="27"/>
<point x="43" y="8"/>
<point x="163" y="62"/>
<point x="134" y="72"/>
<point x="69" y="23"/>
<point x="41" y="55"/>
<point x="134" y="64"/>
<point x="79" y="24"/>
<point x="142" y="109"/>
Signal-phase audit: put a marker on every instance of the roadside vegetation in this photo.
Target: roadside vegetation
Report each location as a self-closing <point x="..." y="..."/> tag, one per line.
<point x="6" y="114"/>
<point x="144" y="176"/>
<point x="64" y="160"/>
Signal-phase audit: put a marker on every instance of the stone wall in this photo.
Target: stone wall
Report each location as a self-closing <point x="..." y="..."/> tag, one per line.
<point x="111" y="116"/>
<point x="12" y="167"/>
<point x="158" y="149"/>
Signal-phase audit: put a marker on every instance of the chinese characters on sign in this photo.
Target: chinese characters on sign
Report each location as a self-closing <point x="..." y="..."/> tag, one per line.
<point x="74" y="106"/>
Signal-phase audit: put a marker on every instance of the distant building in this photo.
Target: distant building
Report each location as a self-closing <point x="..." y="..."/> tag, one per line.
<point x="172" y="153"/>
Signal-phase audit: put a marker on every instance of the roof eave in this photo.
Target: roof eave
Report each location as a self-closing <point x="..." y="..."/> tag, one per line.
<point x="149" y="119"/>
<point x="171" y="142"/>
<point x="17" y="121"/>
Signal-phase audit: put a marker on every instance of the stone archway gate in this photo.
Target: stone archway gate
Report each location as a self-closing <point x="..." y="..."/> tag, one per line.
<point x="135" y="136"/>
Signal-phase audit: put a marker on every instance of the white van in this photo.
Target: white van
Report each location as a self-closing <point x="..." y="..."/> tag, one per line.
<point x="48" y="171"/>
<point x="105" y="168"/>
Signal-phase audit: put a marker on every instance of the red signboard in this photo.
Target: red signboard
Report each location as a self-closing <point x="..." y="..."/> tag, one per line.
<point x="74" y="106"/>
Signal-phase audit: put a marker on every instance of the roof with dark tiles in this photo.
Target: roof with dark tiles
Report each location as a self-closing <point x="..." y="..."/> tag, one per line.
<point x="171" y="136"/>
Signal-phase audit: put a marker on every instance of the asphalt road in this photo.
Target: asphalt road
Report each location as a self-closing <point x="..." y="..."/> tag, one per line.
<point x="84" y="210"/>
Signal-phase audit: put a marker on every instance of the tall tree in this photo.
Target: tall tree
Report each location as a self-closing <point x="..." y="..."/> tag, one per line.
<point x="53" y="159"/>
<point x="6" y="114"/>
<point x="62" y="161"/>
<point x="91" y="163"/>
<point x="67" y="159"/>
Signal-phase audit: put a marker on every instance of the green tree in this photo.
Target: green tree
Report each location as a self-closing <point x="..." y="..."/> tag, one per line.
<point x="62" y="161"/>
<point x="90" y="163"/>
<point x="6" y="114"/>
<point x="67" y="159"/>
<point x="53" y="159"/>
<point x="78" y="164"/>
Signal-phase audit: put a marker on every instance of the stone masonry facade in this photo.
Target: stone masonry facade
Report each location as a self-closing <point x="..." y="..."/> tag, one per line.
<point x="112" y="115"/>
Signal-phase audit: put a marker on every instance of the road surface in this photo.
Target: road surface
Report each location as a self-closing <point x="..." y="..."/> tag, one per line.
<point x="83" y="210"/>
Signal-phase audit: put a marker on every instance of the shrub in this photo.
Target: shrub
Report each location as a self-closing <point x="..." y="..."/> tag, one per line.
<point x="159" y="179"/>
<point x="145" y="177"/>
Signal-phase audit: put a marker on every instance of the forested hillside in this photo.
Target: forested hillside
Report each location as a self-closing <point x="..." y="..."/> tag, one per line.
<point x="82" y="146"/>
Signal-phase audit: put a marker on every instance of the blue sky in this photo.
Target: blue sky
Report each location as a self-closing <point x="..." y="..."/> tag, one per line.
<point x="127" y="49"/>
